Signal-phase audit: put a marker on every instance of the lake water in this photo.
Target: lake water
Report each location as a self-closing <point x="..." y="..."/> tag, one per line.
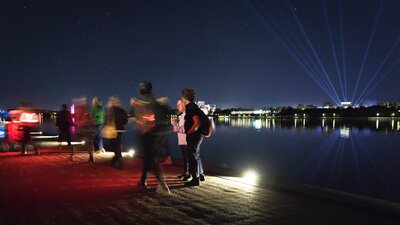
<point x="359" y="155"/>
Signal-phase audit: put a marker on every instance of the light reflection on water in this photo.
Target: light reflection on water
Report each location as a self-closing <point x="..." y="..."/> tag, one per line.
<point x="354" y="155"/>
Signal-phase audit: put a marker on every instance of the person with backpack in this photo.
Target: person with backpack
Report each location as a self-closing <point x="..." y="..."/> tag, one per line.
<point x="193" y="129"/>
<point x="147" y="115"/>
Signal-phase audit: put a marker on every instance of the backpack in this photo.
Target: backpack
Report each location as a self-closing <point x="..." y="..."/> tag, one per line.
<point x="205" y="127"/>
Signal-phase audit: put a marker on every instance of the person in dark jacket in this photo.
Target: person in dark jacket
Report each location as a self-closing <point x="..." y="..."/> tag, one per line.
<point x="117" y="117"/>
<point x="64" y="123"/>
<point x="193" y="137"/>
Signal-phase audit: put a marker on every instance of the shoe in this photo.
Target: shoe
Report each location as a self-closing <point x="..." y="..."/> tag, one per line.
<point x="72" y="158"/>
<point x="202" y="178"/>
<point x="102" y="151"/>
<point x="143" y="184"/>
<point x="182" y="175"/>
<point x="186" y="177"/>
<point x="91" y="159"/>
<point x="193" y="182"/>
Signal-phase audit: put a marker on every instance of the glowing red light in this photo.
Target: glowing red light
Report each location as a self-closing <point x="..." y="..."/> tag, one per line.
<point x="29" y="118"/>
<point x="149" y="118"/>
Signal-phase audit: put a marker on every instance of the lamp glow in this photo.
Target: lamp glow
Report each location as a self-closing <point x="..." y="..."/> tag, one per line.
<point x="131" y="152"/>
<point x="250" y="177"/>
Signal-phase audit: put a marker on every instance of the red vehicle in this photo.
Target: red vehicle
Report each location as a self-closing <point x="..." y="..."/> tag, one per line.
<point x="23" y="121"/>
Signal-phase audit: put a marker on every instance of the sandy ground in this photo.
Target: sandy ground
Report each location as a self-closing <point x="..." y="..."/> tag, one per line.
<point x="50" y="189"/>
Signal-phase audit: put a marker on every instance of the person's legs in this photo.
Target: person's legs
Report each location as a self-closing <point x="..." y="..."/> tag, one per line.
<point x="68" y="136"/>
<point x="60" y="137"/>
<point x="193" y="147"/>
<point x="26" y="139"/>
<point x="184" y="158"/>
<point x="185" y="175"/>
<point x="118" y="151"/>
<point x="157" y="162"/>
<point x="199" y="169"/>
<point x="96" y="135"/>
<point x="88" y="138"/>
<point x="147" y="160"/>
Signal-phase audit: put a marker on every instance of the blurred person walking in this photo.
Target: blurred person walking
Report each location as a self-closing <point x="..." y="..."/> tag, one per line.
<point x="116" y="119"/>
<point x="193" y="136"/>
<point x="147" y="114"/>
<point x="64" y="124"/>
<point x="97" y="116"/>
<point x="165" y="128"/>
<point x="83" y="122"/>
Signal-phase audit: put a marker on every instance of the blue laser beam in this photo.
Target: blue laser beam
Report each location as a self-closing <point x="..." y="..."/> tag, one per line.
<point x="368" y="48"/>
<point x="304" y="33"/>
<point x="380" y="67"/>
<point x="308" y="60"/>
<point x="341" y="26"/>
<point x="332" y="46"/>
<point x="380" y="80"/>
<point x="296" y="51"/>
<point x="268" y="27"/>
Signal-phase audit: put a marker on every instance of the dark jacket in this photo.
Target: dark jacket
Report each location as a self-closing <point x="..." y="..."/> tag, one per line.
<point x="119" y="116"/>
<point x="64" y="120"/>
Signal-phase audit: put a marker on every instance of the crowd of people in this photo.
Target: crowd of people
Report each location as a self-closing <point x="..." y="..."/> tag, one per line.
<point x="103" y="131"/>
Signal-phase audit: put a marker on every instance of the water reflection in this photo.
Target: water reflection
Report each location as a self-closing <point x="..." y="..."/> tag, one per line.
<point x="353" y="155"/>
<point x="327" y="125"/>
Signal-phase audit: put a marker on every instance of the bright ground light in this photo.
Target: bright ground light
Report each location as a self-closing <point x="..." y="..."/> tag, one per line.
<point x="250" y="177"/>
<point x="131" y="152"/>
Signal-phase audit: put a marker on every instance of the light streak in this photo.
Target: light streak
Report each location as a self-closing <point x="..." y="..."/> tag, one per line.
<point x="292" y="51"/>
<point x="315" y="69"/>
<point x="332" y="45"/>
<point x="379" y="68"/>
<point x="380" y="80"/>
<point x="368" y="48"/>
<point x="304" y="33"/>
<point x="341" y="25"/>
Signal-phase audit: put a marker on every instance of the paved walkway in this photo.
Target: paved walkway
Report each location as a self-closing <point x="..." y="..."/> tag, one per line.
<point x="50" y="189"/>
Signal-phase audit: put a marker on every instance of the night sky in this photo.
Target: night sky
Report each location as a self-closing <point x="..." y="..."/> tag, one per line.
<point x="52" y="51"/>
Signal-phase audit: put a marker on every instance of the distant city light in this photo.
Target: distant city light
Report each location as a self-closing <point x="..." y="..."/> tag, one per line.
<point x="377" y="114"/>
<point x="345" y="104"/>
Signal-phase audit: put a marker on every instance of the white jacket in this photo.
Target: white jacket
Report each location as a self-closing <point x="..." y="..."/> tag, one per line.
<point x="180" y="130"/>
